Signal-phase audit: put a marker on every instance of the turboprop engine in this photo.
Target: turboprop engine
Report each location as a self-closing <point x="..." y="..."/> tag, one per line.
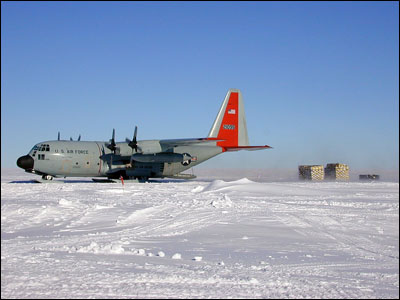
<point x="161" y="157"/>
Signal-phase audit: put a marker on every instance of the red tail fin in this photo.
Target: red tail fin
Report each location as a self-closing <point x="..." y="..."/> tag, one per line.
<point x="230" y="124"/>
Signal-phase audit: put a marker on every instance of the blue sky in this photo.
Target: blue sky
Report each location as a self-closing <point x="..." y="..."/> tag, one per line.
<point x="320" y="80"/>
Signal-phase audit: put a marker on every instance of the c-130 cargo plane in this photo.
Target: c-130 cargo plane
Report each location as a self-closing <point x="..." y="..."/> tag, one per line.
<point x="145" y="159"/>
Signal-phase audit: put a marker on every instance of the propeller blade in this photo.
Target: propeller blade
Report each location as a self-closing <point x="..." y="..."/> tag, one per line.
<point x="79" y="138"/>
<point x="58" y="136"/>
<point x="71" y="138"/>
<point x="133" y="143"/>
<point x="134" y="135"/>
<point x="112" y="145"/>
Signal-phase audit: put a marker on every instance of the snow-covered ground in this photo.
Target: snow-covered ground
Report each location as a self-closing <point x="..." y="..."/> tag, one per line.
<point x="206" y="238"/>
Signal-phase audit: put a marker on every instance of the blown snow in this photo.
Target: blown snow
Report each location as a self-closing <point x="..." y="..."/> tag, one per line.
<point x="198" y="239"/>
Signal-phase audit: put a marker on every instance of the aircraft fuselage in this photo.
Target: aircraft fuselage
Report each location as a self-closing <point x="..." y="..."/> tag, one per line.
<point x="94" y="159"/>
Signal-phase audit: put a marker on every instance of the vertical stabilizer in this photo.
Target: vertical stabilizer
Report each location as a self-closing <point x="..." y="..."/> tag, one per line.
<point x="230" y="123"/>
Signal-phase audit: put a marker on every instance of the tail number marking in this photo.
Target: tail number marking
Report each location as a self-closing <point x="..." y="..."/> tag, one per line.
<point x="229" y="127"/>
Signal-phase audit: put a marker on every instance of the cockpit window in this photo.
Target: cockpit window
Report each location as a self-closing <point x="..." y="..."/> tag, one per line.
<point x="44" y="147"/>
<point x="34" y="148"/>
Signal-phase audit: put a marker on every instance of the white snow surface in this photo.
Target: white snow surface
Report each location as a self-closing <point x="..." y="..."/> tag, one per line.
<point x="198" y="239"/>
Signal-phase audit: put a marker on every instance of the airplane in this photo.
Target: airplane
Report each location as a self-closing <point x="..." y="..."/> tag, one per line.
<point x="141" y="160"/>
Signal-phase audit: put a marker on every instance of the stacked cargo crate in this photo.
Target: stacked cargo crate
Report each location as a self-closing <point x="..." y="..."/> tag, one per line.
<point x="313" y="172"/>
<point x="337" y="171"/>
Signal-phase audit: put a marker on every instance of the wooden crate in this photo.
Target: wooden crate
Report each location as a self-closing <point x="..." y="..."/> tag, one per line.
<point x="311" y="172"/>
<point x="337" y="171"/>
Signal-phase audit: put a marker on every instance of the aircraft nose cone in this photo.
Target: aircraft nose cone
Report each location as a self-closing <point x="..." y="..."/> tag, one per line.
<point x="25" y="162"/>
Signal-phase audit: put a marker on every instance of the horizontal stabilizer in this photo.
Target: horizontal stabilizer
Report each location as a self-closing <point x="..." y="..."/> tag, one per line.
<point x="248" y="148"/>
<point x="187" y="142"/>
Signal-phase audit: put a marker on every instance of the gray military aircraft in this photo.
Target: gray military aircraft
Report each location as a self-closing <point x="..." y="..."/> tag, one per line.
<point x="145" y="159"/>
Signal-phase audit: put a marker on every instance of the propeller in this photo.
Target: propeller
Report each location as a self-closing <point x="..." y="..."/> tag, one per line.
<point x="58" y="136"/>
<point x="133" y="143"/>
<point x="112" y="146"/>
<point x="79" y="138"/>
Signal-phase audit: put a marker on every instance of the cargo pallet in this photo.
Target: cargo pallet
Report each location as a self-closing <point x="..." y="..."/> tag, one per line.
<point x="369" y="177"/>
<point x="337" y="171"/>
<point x="313" y="172"/>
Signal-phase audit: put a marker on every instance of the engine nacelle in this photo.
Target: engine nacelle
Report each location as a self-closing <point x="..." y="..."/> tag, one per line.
<point x="162" y="157"/>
